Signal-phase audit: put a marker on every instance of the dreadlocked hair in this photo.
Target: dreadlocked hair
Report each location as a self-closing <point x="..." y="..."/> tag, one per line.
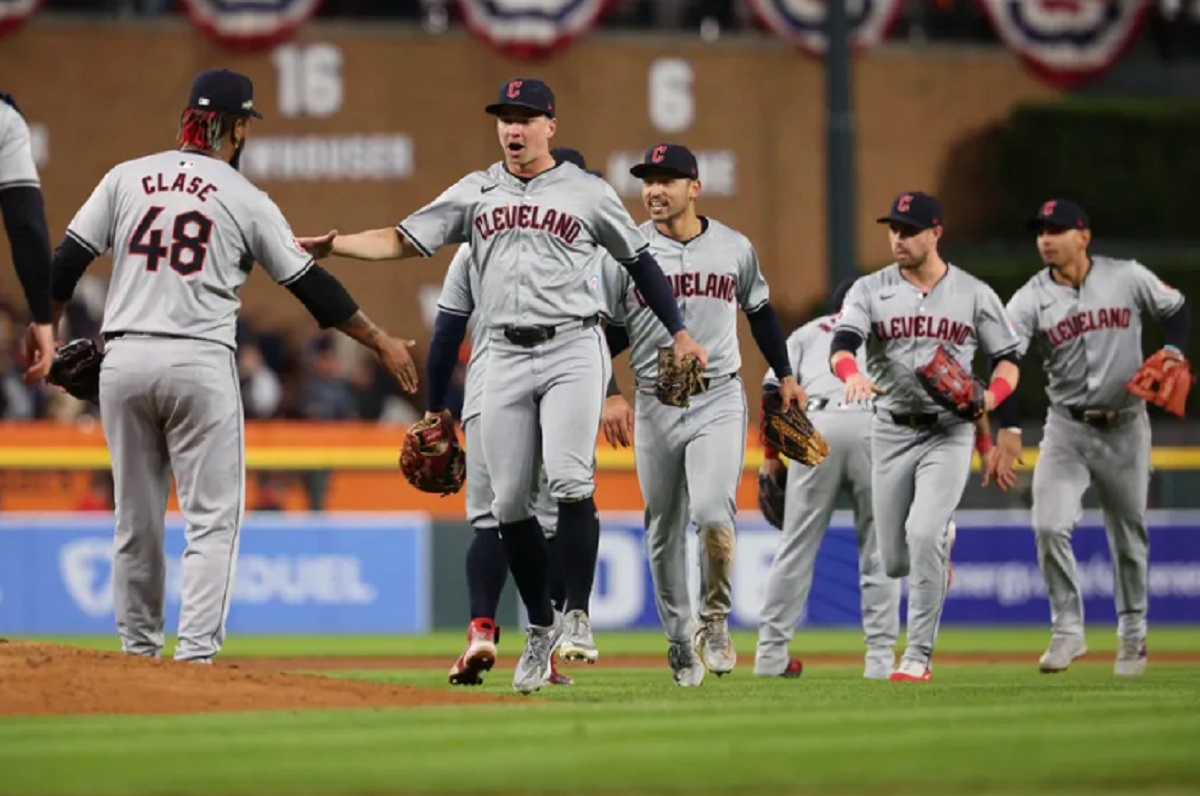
<point x="204" y="129"/>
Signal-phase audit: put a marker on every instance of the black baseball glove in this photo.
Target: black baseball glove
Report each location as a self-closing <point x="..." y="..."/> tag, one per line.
<point x="76" y="368"/>
<point x="771" y="491"/>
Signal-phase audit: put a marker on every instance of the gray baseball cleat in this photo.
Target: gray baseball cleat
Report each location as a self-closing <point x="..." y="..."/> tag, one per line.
<point x="715" y="646"/>
<point x="1131" y="657"/>
<point x="577" y="643"/>
<point x="534" y="667"/>
<point x="1060" y="653"/>
<point x="685" y="664"/>
<point x="879" y="664"/>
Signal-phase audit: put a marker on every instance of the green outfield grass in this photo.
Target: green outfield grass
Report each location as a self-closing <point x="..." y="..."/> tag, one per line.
<point x="977" y="729"/>
<point x="1164" y="638"/>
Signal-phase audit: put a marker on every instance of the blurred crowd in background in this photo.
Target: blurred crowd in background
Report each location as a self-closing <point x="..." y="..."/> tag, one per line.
<point x="321" y="376"/>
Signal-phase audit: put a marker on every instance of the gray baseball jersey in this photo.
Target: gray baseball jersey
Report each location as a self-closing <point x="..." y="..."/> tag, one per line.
<point x="17" y="166"/>
<point x="808" y="351"/>
<point x="185" y="230"/>
<point x="1091" y="341"/>
<point x="1091" y="338"/>
<point x="712" y="275"/>
<point x="903" y="328"/>
<point x="535" y="241"/>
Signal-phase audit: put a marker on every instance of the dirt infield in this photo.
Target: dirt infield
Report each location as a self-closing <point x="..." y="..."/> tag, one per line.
<point x="51" y="680"/>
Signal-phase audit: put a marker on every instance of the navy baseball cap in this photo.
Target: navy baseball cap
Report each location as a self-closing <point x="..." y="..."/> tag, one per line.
<point x="224" y="91"/>
<point x="566" y="154"/>
<point x="675" y="160"/>
<point x="524" y="92"/>
<point x="1062" y="213"/>
<point x="914" y="209"/>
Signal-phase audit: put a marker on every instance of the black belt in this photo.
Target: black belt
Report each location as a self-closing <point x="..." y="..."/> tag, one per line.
<point x="816" y="404"/>
<point x="529" y="336"/>
<point x="1097" y="418"/>
<point x="915" y="420"/>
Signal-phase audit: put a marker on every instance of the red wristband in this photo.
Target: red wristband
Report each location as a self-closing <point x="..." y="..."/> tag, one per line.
<point x="845" y="368"/>
<point x="770" y="453"/>
<point x="1001" y="389"/>
<point x="983" y="443"/>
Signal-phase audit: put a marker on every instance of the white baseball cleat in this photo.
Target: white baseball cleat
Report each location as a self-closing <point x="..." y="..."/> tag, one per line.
<point x="1060" y="653"/>
<point x="577" y="642"/>
<point x="713" y="642"/>
<point x="1131" y="657"/>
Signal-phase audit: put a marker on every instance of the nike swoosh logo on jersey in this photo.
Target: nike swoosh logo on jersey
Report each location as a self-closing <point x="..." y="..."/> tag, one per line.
<point x="886" y="296"/>
<point x="487" y="188"/>
<point x="1047" y="305"/>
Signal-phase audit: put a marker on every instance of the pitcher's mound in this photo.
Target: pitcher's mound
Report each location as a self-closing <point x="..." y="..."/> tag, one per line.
<point x="48" y="679"/>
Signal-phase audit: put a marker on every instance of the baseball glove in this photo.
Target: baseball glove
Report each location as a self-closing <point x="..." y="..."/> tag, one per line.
<point x="677" y="383"/>
<point x="952" y="386"/>
<point x="432" y="459"/>
<point x="1164" y="380"/>
<point x="790" y="432"/>
<point x="76" y="368"/>
<point x="771" y="491"/>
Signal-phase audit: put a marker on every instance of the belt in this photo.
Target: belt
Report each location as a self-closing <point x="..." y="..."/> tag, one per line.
<point x="107" y="336"/>
<point x="1097" y="418"/>
<point x="816" y="404"/>
<point x="923" y="420"/>
<point x="529" y="336"/>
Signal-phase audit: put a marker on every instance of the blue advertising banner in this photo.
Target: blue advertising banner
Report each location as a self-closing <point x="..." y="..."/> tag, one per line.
<point x="996" y="576"/>
<point x="311" y="574"/>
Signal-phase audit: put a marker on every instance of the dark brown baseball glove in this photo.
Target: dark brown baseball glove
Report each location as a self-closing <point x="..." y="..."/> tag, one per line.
<point x="432" y="459"/>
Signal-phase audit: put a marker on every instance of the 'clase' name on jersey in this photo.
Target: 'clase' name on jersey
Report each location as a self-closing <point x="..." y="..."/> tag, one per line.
<point x="197" y="187"/>
<point x="516" y="217"/>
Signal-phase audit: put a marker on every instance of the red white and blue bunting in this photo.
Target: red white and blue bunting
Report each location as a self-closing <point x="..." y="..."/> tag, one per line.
<point x="14" y="13"/>
<point x="1067" y="42"/>
<point x="250" y="24"/>
<point x="803" y="21"/>
<point x="531" y="29"/>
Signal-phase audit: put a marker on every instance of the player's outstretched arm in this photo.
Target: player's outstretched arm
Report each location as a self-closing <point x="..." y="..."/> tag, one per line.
<point x="374" y="244"/>
<point x="25" y="222"/>
<point x="332" y="306"/>
<point x="1005" y="376"/>
<point x="449" y="331"/>
<point x="841" y="361"/>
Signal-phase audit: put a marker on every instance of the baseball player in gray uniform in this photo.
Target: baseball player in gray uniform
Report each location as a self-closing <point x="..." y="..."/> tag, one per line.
<point x="689" y="461"/>
<point x="185" y="227"/>
<point x="920" y="453"/>
<point x="1084" y="312"/>
<point x="24" y="211"/>
<point x="486" y="565"/>
<point x="535" y="227"/>
<point x="811" y="495"/>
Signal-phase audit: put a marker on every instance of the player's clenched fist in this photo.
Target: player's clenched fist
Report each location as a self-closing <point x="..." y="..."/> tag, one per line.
<point x="617" y="421"/>
<point x="685" y="346"/>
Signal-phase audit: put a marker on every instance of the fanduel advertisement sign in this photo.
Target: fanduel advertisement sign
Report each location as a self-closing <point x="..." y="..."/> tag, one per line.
<point x="996" y="576"/>
<point x="306" y="574"/>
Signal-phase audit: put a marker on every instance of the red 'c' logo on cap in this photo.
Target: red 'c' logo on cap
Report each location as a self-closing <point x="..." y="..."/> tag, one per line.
<point x="659" y="153"/>
<point x="514" y="89"/>
<point x="1048" y="208"/>
<point x="904" y="203"/>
